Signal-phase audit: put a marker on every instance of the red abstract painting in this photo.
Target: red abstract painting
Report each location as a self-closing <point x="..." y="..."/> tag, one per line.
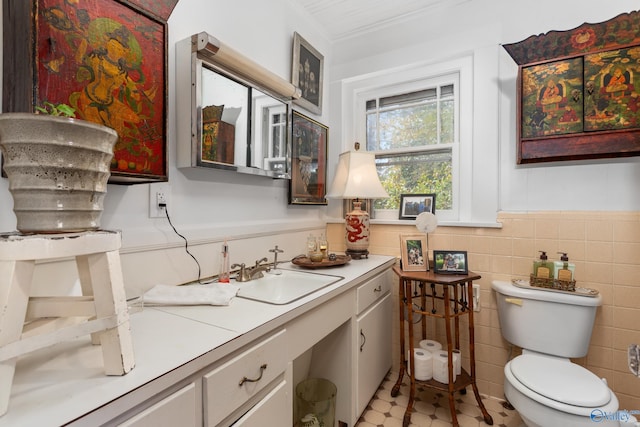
<point x="108" y="61"/>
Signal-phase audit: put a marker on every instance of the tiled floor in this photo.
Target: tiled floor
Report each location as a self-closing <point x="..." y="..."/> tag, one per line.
<point x="431" y="408"/>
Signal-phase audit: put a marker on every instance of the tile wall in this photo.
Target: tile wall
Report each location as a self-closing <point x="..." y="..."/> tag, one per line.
<point x="605" y="247"/>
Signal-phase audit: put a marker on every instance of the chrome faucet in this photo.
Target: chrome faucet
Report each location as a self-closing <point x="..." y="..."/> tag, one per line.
<point x="246" y="274"/>
<point x="256" y="271"/>
<point x="243" y="275"/>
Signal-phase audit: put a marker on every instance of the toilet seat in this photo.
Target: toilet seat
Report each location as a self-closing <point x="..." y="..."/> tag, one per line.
<point x="558" y="383"/>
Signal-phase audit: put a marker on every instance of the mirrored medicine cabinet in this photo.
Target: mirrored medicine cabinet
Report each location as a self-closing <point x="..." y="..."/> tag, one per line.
<point x="231" y="113"/>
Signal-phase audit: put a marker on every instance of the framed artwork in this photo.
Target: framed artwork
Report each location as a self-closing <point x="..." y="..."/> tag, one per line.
<point x="308" y="161"/>
<point x="412" y="205"/>
<point x="577" y="92"/>
<point x="413" y="252"/>
<point x="307" y="73"/>
<point x="450" y="262"/>
<point x="105" y="58"/>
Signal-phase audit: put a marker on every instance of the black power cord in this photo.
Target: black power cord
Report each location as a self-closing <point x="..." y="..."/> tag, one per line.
<point x="163" y="206"/>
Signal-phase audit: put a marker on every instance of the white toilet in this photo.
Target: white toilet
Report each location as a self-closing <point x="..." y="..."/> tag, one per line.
<point x="543" y="384"/>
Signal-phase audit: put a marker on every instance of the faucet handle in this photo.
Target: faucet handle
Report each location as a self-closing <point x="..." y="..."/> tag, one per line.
<point x="243" y="275"/>
<point x="261" y="261"/>
<point x="275" y="252"/>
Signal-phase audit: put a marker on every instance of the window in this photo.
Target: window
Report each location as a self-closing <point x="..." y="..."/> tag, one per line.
<point x="413" y="130"/>
<point x="473" y="152"/>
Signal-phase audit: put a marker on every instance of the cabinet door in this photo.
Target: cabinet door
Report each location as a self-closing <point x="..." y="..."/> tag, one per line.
<point x="374" y="350"/>
<point x="178" y="409"/>
<point x="273" y="410"/>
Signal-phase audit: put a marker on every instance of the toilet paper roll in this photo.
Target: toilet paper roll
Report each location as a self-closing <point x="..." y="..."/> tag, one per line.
<point x="441" y="366"/>
<point x="423" y="360"/>
<point x="457" y="361"/>
<point x="431" y="345"/>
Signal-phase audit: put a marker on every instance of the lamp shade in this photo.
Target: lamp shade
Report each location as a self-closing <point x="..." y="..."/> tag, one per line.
<point x="356" y="178"/>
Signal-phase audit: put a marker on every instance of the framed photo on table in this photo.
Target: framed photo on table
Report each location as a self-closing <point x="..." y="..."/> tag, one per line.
<point x="412" y="205"/>
<point x="107" y="59"/>
<point x="307" y="73"/>
<point x="307" y="185"/>
<point x="450" y="262"/>
<point x="413" y="252"/>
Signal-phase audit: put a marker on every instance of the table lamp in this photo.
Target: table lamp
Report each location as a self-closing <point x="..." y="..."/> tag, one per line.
<point x="357" y="178"/>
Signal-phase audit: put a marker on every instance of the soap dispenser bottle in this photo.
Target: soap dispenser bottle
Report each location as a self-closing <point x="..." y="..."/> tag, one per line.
<point x="564" y="270"/>
<point x="542" y="267"/>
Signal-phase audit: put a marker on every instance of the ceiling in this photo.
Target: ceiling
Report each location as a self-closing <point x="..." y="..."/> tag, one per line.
<point x="344" y="18"/>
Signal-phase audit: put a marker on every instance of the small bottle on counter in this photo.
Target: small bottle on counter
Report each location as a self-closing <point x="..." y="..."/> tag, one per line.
<point x="312" y="245"/>
<point x="542" y="267"/>
<point x="323" y="246"/>
<point x="564" y="270"/>
<point x="223" y="275"/>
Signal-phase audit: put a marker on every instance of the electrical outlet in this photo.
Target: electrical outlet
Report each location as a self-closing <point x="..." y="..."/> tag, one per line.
<point x="159" y="192"/>
<point x="476" y="297"/>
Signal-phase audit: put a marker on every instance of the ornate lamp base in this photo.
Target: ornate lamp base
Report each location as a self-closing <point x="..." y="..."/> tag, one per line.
<point x="357" y="237"/>
<point x="357" y="254"/>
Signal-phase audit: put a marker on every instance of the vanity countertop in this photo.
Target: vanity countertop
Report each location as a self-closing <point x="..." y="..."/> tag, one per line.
<point x="59" y="384"/>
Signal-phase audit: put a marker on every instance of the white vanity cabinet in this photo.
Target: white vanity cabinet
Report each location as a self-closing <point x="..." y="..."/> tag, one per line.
<point x="191" y="361"/>
<point x="373" y="329"/>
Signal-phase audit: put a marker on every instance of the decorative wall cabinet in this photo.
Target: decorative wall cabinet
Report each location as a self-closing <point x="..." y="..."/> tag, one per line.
<point x="579" y="92"/>
<point x="107" y="59"/>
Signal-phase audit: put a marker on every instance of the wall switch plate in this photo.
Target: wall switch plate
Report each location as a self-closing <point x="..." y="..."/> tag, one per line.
<point x="159" y="192"/>
<point x="476" y="297"/>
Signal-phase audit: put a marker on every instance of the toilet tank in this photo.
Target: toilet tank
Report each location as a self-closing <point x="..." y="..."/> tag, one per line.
<point x="554" y="323"/>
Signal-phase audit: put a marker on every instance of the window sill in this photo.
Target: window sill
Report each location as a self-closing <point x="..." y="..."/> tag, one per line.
<point x="412" y="223"/>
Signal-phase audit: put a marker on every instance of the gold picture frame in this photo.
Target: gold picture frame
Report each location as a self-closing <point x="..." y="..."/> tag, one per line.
<point x="414" y="252"/>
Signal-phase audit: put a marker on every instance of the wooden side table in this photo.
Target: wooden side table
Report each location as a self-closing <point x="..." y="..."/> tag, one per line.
<point x="456" y="291"/>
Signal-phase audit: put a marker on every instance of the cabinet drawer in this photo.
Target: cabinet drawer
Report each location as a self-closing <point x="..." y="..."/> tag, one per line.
<point x="221" y="387"/>
<point x="273" y="410"/>
<point x="370" y="291"/>
<point x="176" y="409"/>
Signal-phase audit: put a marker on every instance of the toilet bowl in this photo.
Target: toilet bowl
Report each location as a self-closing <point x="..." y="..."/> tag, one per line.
<point x="551" y="391"/>
<point x="543" y="384"/>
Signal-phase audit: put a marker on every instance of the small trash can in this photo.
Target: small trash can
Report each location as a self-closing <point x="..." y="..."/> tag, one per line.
<point x="316" y="403"/>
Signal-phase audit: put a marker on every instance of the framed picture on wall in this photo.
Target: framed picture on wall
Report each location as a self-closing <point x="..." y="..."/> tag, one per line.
<point x="307" y="73"/>
<point x="307" y="185"/>
<point x="107" y="59"/>
<point x="413" y="252"/>
<point x="412" y="205"/>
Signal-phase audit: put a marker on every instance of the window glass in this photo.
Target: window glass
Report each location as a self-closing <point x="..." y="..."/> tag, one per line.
<point x="412" y="135"/>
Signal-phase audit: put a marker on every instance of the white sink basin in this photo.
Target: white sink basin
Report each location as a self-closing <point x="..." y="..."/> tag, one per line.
<point x="286" y="287"/>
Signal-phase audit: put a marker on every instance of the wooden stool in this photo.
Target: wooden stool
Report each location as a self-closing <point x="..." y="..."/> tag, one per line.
<point x="28" y="324"/>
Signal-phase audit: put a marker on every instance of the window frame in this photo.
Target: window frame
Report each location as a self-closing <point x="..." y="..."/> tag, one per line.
<point x="452" y="78"/>
<point x="394" y="81"/>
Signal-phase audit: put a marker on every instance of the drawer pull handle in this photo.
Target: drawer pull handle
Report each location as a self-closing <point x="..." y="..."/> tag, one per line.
<point x="249" y="380"/>
<point x="378" y="289"/>
<point x="364" y="340"/>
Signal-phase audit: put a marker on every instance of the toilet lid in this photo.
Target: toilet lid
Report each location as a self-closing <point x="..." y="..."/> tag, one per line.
<point x="560" y="380"/>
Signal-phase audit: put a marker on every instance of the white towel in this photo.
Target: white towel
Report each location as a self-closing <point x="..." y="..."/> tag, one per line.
<point x="211" y="294"/>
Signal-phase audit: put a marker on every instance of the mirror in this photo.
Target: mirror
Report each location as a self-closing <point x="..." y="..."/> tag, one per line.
<point x="236" y="122"/>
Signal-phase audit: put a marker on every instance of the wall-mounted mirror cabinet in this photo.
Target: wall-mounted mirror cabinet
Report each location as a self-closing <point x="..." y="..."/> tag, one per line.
<point x="232" y="113"/>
